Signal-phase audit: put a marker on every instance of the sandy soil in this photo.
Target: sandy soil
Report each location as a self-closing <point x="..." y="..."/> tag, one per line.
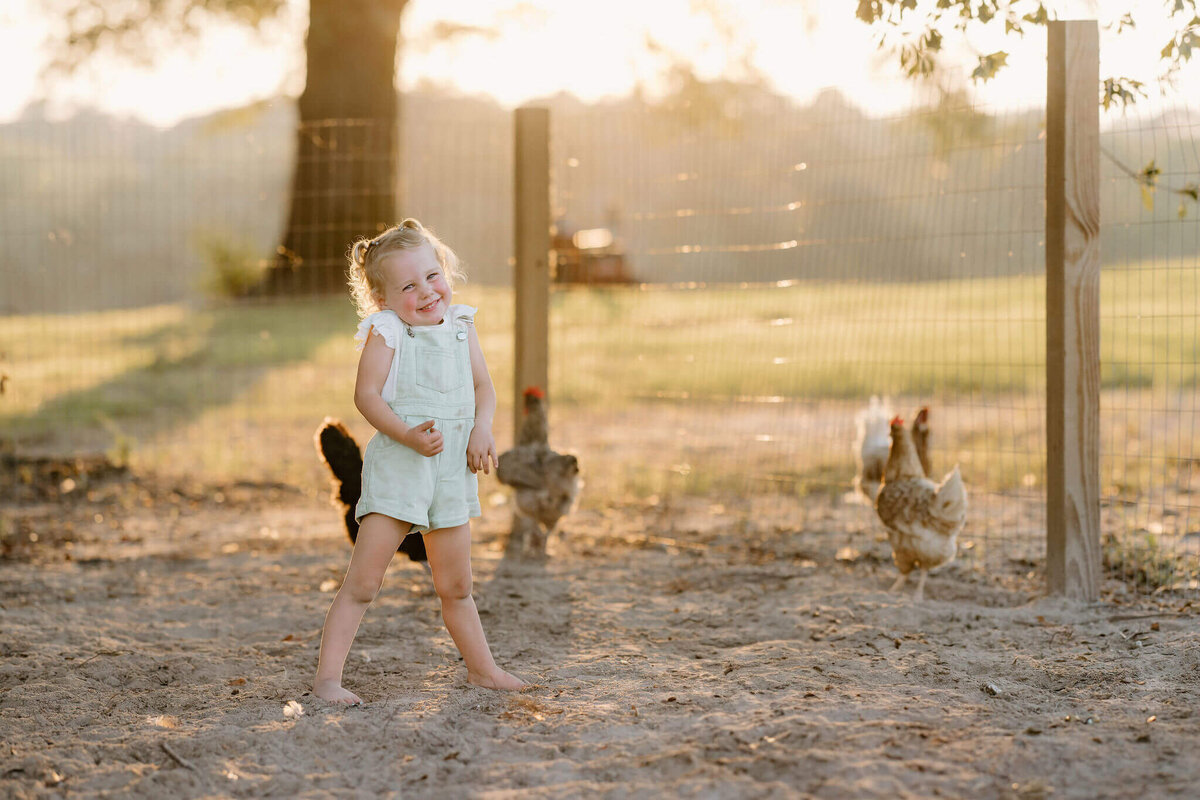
<point x="158" y="641"/>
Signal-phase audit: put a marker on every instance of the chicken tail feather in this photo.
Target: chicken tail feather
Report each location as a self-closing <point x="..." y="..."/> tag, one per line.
<point x="339" y="452"/>
<point x="951" y="500"/>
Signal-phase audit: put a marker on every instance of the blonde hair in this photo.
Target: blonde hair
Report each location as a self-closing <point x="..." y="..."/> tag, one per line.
<point x="365" y="275"/>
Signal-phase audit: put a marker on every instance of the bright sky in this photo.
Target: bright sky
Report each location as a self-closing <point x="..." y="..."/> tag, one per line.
<point x="589" y="48"/>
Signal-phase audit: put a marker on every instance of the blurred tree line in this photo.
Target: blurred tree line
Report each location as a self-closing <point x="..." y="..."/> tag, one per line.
<point x="717" y="182"/>
<point x="345" y="146"/>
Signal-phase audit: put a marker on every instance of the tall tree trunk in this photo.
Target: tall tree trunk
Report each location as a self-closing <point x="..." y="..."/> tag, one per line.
<point x="344" y="181"/>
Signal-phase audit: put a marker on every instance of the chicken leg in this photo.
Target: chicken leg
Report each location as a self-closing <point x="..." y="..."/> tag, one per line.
<point x="920" y="595"/>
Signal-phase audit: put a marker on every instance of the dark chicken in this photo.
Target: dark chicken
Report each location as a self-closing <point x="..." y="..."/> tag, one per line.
<point x="340" y="453"/>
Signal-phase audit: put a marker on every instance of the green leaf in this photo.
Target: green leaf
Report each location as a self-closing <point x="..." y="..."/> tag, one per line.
<point x="1120" y="89"/>
<point x="1149" y="174"/>
<point x="989" y="65"/>
<point x="1039" y="17"/>
<point x="869" y="10"/>
<point x="1191" y="190"/>
<point x="1148" y="177"/>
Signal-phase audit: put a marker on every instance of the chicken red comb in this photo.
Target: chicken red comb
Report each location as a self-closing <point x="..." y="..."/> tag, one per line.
<point x="535" y="391"/>
<point x="897" y="420"/>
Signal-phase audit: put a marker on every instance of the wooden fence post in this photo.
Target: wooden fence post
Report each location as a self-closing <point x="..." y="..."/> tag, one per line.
<point x="1073" y="310"/>
<point x="531" y="271"/>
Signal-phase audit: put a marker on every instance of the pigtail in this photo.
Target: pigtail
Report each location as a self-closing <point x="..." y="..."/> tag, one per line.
<point x="357" y="279"/>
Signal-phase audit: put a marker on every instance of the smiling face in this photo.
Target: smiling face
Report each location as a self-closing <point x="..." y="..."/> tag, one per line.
<point x="415" y="286"/>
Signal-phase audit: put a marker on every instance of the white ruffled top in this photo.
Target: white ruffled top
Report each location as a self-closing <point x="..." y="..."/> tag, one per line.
<point x="388" y="324"/>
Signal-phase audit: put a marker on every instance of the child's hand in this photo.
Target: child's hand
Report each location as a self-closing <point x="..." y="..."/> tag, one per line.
<point x="481" y="449"/>
<point x="424" y="439"/>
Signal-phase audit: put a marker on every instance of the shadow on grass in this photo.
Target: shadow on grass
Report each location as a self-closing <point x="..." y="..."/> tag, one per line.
<point x="208" y="360"/>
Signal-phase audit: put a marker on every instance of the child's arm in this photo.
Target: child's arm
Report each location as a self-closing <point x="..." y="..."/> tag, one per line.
<point x="373" y="368"/>
<point x="481" y="448"/>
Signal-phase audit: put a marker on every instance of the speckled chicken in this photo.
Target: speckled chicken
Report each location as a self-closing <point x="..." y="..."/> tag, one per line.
<point x="923" y="518"/>
<point x="546" y="483"/>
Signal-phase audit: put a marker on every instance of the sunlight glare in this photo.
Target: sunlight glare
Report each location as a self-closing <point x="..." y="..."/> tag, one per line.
<point x="589" y="50"/>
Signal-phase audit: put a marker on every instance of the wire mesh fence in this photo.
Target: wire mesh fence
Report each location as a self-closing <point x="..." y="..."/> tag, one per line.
<point x="739" y="274"/>
<point x="1149" y="355"/>
<point x="789" y="264"/>
<point x="134" y="259"/>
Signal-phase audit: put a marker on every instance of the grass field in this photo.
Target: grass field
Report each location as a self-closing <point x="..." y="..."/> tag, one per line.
<point x="849" y="340"/>
<point x="223" y="390"/>
<point x="717" y="392"/>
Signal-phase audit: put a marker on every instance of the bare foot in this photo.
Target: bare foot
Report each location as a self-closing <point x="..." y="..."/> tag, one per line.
<point x="496" y="680"/>
<point x="332" y="691"/>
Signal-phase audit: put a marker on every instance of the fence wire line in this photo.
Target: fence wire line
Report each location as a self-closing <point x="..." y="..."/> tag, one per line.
<point x="755" y="305"/>
<point x="872" y="313"/>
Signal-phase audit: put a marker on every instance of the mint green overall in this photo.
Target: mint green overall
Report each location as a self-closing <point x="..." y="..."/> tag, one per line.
<point x="430" y="378"/>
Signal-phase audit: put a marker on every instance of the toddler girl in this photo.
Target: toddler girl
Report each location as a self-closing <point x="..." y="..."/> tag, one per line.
<point x="423" y="383"/>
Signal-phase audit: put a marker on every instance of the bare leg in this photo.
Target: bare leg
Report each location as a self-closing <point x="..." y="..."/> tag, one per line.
<point x="899" y="582"/>
<point x="920" y="595"/>
<point x="378" y="538"/>
<point x="449" y="552"/>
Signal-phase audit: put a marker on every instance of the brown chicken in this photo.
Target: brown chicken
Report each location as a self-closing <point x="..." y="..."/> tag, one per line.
<point x="546" y="483"/>
<point x="872" y="445"/>
<point x="923" y="518"/>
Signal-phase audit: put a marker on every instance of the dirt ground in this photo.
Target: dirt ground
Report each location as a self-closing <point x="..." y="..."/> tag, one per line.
<point x="158" y="640"/>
